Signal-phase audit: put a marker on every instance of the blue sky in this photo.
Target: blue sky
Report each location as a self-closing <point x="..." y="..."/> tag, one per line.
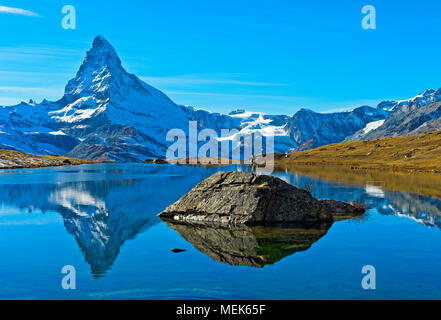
<point x="272" y="56"/>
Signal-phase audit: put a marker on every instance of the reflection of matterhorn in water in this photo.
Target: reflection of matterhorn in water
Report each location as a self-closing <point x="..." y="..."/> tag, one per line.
<point x="102" y="223"/>
<point x="103" y="207"/>
<point x="101" y="215"/>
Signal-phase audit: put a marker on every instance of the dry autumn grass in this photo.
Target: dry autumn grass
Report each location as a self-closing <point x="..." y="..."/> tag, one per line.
<point x="15" y="159"/>
<point x="421" y="153"/>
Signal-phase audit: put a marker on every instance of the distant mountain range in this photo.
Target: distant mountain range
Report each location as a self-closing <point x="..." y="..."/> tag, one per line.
<point x="108" y="114"/>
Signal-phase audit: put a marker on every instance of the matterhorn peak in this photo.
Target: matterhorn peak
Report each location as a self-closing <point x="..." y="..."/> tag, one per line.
<point x="100" y="72"/>
<point x="102" y="49"/>
<point x="102" y="54"/>
<point x="100" y="42"/>
<point x="102" y="83"/>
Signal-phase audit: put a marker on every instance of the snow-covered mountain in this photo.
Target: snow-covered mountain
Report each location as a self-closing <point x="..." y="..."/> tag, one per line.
<point x="311" y="129"/>
<point x="108" y="113"/>
<point x="115" y="114"/>
<point x="101" y="215"/>
<point x="407" y="117"/>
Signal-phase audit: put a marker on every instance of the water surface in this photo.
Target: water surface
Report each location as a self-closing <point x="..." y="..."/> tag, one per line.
<point x="101" y="219"/>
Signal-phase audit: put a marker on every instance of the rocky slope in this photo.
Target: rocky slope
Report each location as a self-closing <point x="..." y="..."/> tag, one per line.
<point x="408" y="117"/>
<point x="310" y="129"/>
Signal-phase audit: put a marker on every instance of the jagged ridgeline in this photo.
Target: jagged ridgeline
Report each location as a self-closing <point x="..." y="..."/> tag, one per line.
<point x="107" y="113"/>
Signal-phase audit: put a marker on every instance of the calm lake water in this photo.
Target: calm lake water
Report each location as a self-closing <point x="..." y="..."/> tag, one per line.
<point x="102" y="220"/>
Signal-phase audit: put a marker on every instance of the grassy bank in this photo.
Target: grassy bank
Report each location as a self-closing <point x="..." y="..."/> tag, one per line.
<point x="15" y="159"/>
<point x="421" y="153"/>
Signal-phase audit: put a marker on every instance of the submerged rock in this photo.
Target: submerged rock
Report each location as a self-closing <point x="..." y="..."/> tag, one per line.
<point x="247" y="198"/>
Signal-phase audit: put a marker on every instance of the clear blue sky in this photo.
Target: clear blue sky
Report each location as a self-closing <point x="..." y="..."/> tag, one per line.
<point x="272" y="56"/>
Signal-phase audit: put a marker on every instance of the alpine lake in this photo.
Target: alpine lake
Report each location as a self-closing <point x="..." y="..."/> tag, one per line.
<point x="101" y="221"/>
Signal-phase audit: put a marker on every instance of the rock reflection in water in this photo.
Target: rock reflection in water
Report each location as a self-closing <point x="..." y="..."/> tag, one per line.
<point x="253" y="246"/>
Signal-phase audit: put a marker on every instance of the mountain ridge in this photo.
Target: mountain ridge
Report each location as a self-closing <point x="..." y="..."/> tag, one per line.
<point x="107" y="113"/>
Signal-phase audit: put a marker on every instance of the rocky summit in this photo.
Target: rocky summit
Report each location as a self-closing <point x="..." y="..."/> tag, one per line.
<point x="247" y="198"/>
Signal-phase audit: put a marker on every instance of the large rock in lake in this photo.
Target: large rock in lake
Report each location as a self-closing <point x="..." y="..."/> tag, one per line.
<point x="247" y="198"/>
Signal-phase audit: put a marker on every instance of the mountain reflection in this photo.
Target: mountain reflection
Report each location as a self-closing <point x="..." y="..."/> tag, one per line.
<point x="423" y="209"/>
<point x="101" y="215"/>
<point x="109" y="205"/>
<point x="254" y="246"/>
<point x="258" y="246"/>
<point x="104" y="206"/>
<point x="101" y="225"/>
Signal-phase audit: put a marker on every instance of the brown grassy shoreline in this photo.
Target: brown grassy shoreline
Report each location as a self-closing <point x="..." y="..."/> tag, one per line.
<point x="413" y="154"/>
<point x="18" y="160"/>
